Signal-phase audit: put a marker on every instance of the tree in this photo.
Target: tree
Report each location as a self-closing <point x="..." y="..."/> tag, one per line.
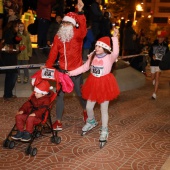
<point x="144" y="23"/>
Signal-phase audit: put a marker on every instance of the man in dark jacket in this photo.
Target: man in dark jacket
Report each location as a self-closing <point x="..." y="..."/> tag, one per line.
<point x="96" y="16"/>
<point x="129" y="39"/>
<point x="44" y="9"/>
<point x="54" y="26"/>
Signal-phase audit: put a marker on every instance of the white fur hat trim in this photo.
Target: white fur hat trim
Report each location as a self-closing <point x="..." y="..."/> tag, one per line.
<point x="102" y="44"/>
<point x="39" y="91"/>
<point x="69" y="19"/>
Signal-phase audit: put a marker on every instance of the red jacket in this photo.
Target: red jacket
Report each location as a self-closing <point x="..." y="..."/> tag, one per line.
<point x="43" y="101"/>
<point x="44" y="8"/>
<point x="73" y="49"/>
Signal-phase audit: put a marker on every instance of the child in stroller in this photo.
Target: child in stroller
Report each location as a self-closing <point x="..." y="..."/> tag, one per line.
<point x="34" y="114"/>
<point x="32" y="111"/>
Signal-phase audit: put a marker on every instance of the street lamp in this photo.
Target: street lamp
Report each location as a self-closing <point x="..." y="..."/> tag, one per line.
<point x="138" y="8"/>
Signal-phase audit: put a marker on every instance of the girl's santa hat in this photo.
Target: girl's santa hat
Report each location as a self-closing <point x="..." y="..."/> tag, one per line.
<point x="43" y="87"/>
<point x="104" y="42"/>
<point x="71" y="17"/>
<point x="162" y="34"/>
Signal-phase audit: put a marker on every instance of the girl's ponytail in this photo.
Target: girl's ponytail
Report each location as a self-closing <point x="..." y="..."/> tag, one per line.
<point x="92" y="57"/>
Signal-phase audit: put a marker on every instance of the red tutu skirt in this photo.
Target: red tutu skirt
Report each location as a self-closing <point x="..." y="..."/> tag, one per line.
<point x="100" y="89"/>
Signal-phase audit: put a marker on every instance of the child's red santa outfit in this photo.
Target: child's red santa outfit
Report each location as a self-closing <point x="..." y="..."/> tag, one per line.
<point x="33" y="105"/>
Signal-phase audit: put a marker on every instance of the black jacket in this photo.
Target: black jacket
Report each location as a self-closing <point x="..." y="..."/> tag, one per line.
<point x="9" y="58"/>
<point x="159" y="49"/>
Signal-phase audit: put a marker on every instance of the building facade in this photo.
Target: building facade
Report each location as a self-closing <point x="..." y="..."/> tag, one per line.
<point x="157" y="10"/>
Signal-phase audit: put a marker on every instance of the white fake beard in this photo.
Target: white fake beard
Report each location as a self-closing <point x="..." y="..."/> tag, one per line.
<point x="65" y="33"/>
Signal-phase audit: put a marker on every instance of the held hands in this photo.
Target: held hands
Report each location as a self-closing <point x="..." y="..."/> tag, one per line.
<point x="42" y="67"/>
<point x="116" y="32"/>
<point x="80" y="5"/>
<point x="68" y="73"/>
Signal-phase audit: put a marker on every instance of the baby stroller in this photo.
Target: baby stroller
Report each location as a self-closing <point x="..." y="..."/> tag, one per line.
<point x="45" y="126"/>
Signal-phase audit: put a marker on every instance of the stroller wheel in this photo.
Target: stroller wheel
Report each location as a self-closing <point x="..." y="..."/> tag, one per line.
<point x="6" y="143"/>
<point x="33" y="152"/>
<point x="28" y="150"/>
<point x="56" y="139"/>
<point x="38" y="134"/>
<point x="11" y="145"/>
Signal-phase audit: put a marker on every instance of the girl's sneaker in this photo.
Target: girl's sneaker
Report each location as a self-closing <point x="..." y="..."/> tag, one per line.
<point x="154" y="96"/>
<point x="19" y="79"/>
<point x="25" y="80"/>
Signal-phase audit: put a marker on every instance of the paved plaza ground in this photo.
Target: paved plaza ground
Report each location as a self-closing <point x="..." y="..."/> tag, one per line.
<point x="139" y="135"/>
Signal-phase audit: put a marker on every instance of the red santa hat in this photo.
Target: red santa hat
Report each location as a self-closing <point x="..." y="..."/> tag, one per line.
<point x="71" y="17"/>
<point x="43" y="87"/>
<point x="161" y="34"/>
<point x="104" y="42"/>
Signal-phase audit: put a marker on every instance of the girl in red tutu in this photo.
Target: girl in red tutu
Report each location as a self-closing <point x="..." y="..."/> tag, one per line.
<point x="101" y="85"/>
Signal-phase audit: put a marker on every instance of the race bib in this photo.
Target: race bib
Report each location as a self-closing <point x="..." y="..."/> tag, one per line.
<point x="48" y="73"/>
<point x="159" y="51"/>
<point x="97" y="71"/>
<point x="158" y="56"/>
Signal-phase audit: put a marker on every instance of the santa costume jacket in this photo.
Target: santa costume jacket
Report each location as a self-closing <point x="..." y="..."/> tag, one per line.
<point x="70" y="52"/>
<point x="40" y="104"/>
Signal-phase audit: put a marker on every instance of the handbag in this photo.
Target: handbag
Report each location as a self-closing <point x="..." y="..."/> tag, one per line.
<point x="62" y="80"/>
<point x="66" y="82"/>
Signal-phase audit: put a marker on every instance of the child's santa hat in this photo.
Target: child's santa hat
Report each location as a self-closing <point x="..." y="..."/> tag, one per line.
<point x="71" y="17"/>
<point x="161" y="34"/>
<point x="43" y="87"/>
<point x="104" y="42"/>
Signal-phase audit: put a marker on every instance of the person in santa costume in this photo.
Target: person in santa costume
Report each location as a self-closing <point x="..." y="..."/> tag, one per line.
<point x="101" y="85"/>
<point x="67" y="45"/>
<point x="32" y="111"/>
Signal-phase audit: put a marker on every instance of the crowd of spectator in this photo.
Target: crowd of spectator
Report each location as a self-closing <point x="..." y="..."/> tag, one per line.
<point x="98" y="25"/>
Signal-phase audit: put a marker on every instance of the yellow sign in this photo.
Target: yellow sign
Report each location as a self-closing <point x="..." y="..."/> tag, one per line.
<point x="1" y="7"/>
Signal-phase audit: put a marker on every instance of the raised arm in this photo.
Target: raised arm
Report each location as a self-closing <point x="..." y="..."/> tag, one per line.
<point x="80" y="5"/>
<point x="115" y="51"/>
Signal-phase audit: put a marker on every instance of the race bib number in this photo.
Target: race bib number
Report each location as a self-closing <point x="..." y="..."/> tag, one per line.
<point x="158" y="56"/>
<point x="159" y="51"/>
<point x="48" y="73"/>
<point x="97" y="71"/>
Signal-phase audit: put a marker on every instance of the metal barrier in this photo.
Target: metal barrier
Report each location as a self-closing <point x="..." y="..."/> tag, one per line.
<point x="41" y="64"/>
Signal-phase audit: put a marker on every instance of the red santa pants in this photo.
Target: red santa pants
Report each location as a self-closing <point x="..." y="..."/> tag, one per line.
<point x="29" y="121"/>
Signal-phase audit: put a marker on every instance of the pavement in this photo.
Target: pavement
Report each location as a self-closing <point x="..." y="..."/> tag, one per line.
<point x="139" y="129"/>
